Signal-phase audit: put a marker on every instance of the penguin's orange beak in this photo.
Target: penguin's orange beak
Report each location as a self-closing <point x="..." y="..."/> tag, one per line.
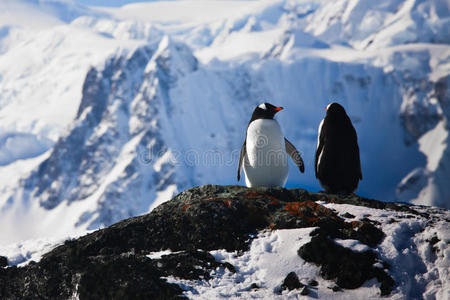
<point x="278" y="108"/>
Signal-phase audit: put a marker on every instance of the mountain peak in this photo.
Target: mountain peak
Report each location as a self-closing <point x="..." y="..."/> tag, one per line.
<point x="172" y="58"/>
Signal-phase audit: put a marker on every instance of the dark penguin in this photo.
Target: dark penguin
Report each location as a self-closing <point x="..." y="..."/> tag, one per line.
<point x="264" y="152"/>
<point x="337" y="162"/>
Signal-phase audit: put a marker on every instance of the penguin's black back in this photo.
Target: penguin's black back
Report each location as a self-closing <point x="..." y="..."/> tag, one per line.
<point x="337" y="162"/>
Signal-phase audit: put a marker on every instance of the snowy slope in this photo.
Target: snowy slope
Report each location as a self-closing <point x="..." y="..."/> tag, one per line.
<point x="420" y="268"/>
<point x="105" y="113"/>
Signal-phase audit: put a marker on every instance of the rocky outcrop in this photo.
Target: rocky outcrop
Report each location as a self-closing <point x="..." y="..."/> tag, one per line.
<point x="113" y="263"/>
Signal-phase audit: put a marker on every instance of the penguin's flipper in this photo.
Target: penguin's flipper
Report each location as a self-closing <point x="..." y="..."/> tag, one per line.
<point x="355" y="141"/>
<point x="241" y="159"/>
<point x="320" y="144"/>
<point x="295" y="155"/>
<point x="316" y="162"/>
<point x="359" y="162"/>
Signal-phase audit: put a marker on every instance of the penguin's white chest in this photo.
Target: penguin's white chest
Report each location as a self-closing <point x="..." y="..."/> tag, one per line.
<point x="266" y="160"/>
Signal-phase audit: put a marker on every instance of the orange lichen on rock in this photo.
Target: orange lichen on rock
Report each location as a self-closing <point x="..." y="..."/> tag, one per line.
<point x="298" y="206"/>
<point x="275" y="202"/>
<point x="186" y="207"/>
<point x="295" y="208"/>
<point x="309" y="210"/>
<point x="252" y="195"/>
<point x="355" y="224"/>
<point x="227" y="203"/>
<point x="312" y="219"/>
<point x="257" y="195"/>
<point x="212" y="199"/>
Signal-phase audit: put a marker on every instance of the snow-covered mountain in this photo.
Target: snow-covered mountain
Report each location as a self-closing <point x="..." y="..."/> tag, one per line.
<point x="107" y="112"/>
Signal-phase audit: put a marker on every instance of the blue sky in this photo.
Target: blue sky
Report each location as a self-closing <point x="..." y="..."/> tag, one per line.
<point x="109" y="2"/>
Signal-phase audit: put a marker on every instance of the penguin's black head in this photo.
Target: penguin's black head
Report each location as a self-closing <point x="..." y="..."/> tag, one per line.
<point x="335" y="109"/>
<point x="265" y="111"/>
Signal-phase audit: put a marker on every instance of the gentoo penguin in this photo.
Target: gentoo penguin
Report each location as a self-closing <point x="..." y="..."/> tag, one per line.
<point x="263" y="154"/>
<point x="337" y="162"/>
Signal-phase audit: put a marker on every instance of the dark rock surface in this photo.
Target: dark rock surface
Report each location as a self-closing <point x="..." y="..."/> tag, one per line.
<point x="112" y="263"/>
<point x="348" y="216"/>
<point x="350" y="269"/>
<point x="291" y="282"/>
<point x="313" y="282"/>
<point x="305" y="291"/>
<point x="3" y="262"/>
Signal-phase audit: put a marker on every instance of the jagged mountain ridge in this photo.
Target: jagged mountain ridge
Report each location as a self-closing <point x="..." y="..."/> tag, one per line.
<point x="186" y="100"/>
<point x="117" y="121"/>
